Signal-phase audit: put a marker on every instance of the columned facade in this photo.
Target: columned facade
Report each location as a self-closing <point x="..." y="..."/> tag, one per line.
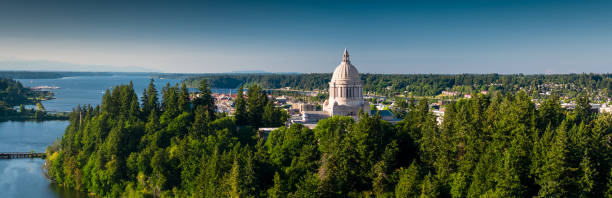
<point x="345" y="90"/>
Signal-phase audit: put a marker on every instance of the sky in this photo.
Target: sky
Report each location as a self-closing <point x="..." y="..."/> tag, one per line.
<point x="440" y="37"/>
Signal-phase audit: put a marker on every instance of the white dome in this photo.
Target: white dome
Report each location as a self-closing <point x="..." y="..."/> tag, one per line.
<point x="346" y="72"/>
<point x="345" y="91"/>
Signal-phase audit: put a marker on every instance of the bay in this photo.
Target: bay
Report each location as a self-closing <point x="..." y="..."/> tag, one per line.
<point x="80" y="90"/>
<point x="25" y="177"/>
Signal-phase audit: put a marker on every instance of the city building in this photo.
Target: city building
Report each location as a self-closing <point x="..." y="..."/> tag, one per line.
<point x="303" y="107"/>
<point x="345" y="98"/>
<point x="605" y="108"/>
<point x="345" y="90"/>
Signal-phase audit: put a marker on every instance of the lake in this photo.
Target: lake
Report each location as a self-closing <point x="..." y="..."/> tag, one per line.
<point x="24" y="177"/>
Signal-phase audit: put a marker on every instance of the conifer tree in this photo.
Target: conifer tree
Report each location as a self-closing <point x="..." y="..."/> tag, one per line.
<point x="608" y="191"/>
<point x="552" y="179"/>
<point x="409" y="183"/>
<point x="205" y="99"/>
<point x="583" y="110"/>
<point x="234" y="181"/>
<point x="256" y="103"/>
<point x="307" y="187"/>
<point x="587" y="179"/>
<point x="169" y="103"/>
<point x="200" y="124"/>
<point x="550" y="112"/>
<point x="429" y="187"/>
<point x="150" y="101"/>
<point x="183" y="100"/>
<point x="278" y="190"/>
<point x="500" y="146"/>
<point x="240" y="106"/>
<point x="107" y="103"/>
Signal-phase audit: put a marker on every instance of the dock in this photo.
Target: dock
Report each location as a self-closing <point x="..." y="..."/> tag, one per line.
<point x="15" y="155"/>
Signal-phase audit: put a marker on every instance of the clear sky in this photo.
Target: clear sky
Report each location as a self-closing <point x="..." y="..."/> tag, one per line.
<point x="493" y="36"/>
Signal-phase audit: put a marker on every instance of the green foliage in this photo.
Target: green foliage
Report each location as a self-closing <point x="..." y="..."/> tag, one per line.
<point x="257" y="110"/>
<point x="205" y="99"/>
<point x="599" y="85"/>
<point x="256" y="102"/>
<point x="409" y="182"/>
<point x="487" y="146"/>
<point x="240" y="107"/>
<point x="608" y="193"/>
<point x="12" y="94"/>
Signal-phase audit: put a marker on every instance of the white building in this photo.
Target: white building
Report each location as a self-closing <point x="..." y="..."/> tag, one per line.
<point x="345" y="90"/>
<point x="605" y="108"/>
<point x="345" y="97"/>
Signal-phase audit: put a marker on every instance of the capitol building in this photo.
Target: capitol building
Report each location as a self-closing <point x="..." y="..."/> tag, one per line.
<point x="345" y="91"/>
<point x="345" y="96"/>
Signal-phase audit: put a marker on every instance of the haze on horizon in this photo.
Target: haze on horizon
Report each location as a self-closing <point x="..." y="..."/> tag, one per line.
<point x="308" y="36"/>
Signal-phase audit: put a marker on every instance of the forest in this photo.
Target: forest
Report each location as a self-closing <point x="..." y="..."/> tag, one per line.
<point x="495" y="145"/>
<point x="13" y="94"/>
<point x="599" y="86"/>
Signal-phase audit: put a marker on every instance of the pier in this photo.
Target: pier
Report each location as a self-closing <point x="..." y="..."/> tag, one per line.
<point x="14" y="155"/>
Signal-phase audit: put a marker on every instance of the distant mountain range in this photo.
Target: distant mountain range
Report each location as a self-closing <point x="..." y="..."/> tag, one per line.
<point x="43" y="65"/>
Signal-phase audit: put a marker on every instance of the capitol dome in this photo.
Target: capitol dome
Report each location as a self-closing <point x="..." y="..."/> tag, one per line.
<point x="345" y="90"/>
<point x="345" y="71"/>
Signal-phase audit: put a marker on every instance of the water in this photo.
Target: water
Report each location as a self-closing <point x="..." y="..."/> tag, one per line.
<point x="89" y="89"/>
<point x="29" y="136"/>
<point x="24" y="177"/>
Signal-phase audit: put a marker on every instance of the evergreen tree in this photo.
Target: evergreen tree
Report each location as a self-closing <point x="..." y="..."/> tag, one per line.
<point x="307" y="187"/>
<point x="184" y="102"/>
<point x="205" y="99"/>
<point x="273" y="116"/>
<point x="150" y="101"/>
<point x="487" y="146"/>
<point x="587" y="180"/>
<point x="429" y="187"/>
<point x="278" y="190"/>
<point x="409" y="183"/>
<point x="240" y="107"/>
<point x="256" y="103"/>
<point x="234" y="181"/>
<point x="550" y="112"/>
<point x="552" y="179"/>
<point x="608" y="193"/>
<point x="583" y="109"/>
<point x="200" y="124"/>
<point x="169" y="103"/>
<point x="268" y="114"/>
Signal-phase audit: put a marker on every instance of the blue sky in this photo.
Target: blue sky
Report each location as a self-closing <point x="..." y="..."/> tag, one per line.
<point x="308" y="36"/>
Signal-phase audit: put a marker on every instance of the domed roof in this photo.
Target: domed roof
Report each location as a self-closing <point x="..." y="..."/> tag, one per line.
<point x="346" y="71"/>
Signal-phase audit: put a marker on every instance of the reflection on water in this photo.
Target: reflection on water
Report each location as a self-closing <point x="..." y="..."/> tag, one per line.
<point x="67" y="193"/>
<point x="24" y="177"/>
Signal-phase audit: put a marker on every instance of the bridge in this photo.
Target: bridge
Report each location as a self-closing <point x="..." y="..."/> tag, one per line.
<point x="13" y="155"/>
